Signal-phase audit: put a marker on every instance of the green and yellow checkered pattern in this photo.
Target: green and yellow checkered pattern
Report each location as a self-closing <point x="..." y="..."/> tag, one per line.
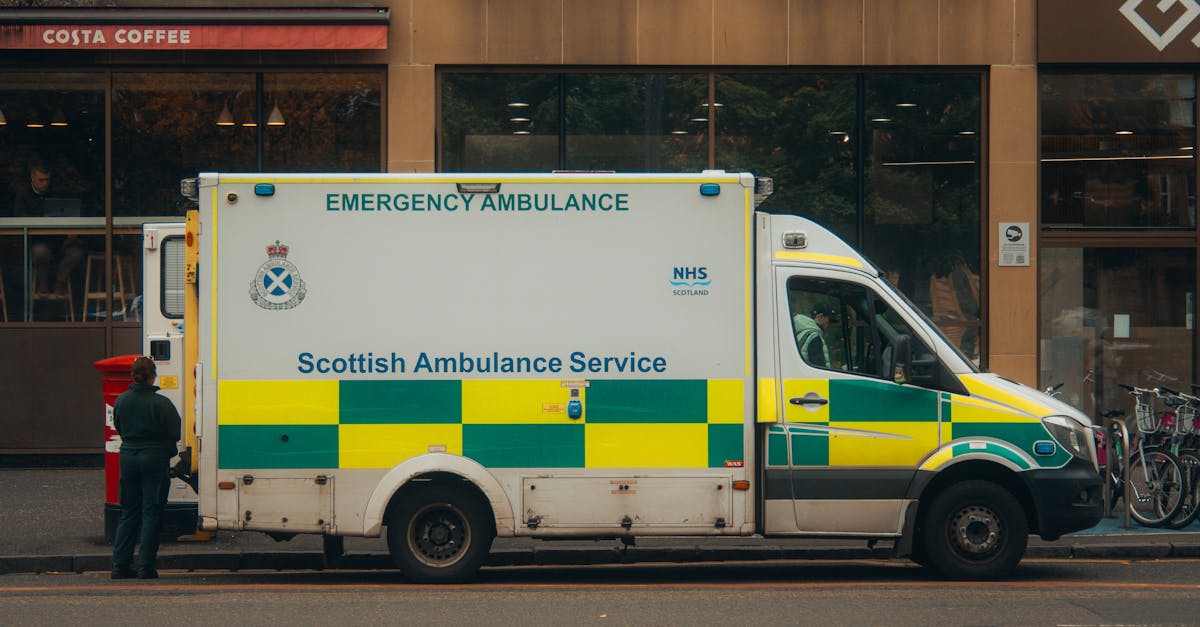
<point x="500" y="424"/>
<point x="868" y="423"/>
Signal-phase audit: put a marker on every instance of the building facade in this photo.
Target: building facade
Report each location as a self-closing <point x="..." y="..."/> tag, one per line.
<point x="1028" y="184"/>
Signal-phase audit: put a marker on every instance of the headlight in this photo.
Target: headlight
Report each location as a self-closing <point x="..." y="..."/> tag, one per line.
<point x="1073" y="436"/>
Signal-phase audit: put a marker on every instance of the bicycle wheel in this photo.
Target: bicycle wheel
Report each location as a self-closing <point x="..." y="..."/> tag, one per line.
<point x="1156" y="487"/>
<point x="1190" y="508"/>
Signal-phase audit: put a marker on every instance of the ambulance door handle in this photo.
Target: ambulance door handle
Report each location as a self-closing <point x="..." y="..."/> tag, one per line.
<point x="808" y="400"/>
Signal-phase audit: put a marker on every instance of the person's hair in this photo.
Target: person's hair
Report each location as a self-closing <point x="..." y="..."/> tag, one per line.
<point x="37" y="164"/>
<point x="143" y="370"/>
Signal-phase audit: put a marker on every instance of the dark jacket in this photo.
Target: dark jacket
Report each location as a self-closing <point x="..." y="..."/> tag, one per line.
<point x="146" y="419"/>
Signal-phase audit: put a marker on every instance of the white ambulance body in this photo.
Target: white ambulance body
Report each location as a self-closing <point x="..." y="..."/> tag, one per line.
<point x="446" y="358"/>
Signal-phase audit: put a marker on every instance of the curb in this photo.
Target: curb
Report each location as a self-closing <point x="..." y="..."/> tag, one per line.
<point x="315" y="560"/>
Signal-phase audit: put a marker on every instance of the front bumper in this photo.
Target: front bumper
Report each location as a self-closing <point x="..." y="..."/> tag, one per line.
<point x="1066" y="499"/>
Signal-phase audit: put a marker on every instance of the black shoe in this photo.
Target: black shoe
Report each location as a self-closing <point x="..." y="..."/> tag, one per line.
<point x="123" y="572"/>
<point x="147" y="573"/>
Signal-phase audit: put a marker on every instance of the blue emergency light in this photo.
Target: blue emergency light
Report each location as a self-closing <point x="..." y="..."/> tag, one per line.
<point x="1043" y="448"/>
<point x="710" y="189"/>
<point x="264" y="189"/>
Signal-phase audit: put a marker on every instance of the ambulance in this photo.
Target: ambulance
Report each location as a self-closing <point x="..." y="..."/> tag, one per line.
<point x="442" y="359"/>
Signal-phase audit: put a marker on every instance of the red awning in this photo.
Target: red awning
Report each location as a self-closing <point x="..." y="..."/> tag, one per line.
<point x="164" y="29"/>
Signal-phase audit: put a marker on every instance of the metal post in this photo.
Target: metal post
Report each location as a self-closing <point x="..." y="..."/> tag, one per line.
<point x="1125" y="470"/>
<point x="1108" y="466"/>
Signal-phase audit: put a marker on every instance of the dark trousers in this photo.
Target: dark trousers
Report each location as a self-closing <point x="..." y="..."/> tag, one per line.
<point x="143" y="492"/>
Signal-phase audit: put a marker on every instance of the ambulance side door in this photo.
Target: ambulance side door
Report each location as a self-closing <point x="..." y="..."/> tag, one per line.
<point x="855" y="437"/>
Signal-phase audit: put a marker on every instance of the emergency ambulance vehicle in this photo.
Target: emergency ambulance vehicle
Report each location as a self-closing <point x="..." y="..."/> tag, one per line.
<point x="447" y="358"/>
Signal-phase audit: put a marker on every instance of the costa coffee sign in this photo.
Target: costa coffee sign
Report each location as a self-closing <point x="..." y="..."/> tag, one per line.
<point x="199" y="37"/>
<point x="193" y="29"/>
<point x="1118" y="31"/>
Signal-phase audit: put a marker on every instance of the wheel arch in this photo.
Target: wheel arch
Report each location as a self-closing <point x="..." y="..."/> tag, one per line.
<point x="438" y="467"/>
<point x="980" y="468"/>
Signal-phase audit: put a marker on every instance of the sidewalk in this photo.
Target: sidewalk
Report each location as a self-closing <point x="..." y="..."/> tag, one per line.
<point x="54" y="522"/>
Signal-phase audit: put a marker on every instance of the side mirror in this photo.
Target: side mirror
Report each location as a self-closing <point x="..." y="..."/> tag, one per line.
<point x="901" y="359"/>
<point x="920" y="371"/>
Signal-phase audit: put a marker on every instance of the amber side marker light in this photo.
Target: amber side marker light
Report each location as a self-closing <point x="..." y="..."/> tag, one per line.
<point x="741" y="485"/>
<point x="225" y="485"/>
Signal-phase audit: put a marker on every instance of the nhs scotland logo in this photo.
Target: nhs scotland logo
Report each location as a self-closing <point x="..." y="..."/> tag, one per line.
<point x="690" y="281"/>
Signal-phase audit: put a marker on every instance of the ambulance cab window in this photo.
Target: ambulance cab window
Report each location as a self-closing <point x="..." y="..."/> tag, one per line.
<point x="846" y="327"/>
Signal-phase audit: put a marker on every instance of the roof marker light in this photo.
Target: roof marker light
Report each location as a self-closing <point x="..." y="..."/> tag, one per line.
<point x="478" y="188"/>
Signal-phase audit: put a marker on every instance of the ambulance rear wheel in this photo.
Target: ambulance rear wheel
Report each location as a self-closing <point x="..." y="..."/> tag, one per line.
<point x="439" y="533"/>
<point x="974" y="530"/>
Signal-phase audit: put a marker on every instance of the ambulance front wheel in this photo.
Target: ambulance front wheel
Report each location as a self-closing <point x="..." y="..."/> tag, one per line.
<point x="439" y="533"/>
<point x="974" y="530"/>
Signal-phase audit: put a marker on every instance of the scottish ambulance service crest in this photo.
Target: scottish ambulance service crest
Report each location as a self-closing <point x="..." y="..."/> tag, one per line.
<point x="277" y="284"/>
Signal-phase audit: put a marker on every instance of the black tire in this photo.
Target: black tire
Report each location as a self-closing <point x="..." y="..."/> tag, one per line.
<point x="439" y="533"/>
<point x="974" y="530"/>
<point x="1156" y="486"/>
<point x="1190" y="508"/>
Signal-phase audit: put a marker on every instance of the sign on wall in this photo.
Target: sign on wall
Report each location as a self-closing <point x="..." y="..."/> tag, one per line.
<point x="1014" y="244"/>
<point x="1118" y="31"/>
<point x="193" y="37"/>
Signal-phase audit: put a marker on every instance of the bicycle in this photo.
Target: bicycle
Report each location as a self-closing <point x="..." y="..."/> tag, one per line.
<point x="1184" y="445"/>
<point x="1157" y="481"/>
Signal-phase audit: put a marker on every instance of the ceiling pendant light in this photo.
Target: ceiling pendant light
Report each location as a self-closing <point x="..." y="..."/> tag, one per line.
<point x="59" y="119"/>
<point x="3" y="120"/>
<point x="276" y="117"/>
<point x="226" y="118"/>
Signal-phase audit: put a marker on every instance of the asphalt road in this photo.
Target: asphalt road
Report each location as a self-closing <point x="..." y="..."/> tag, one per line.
<point x="1047" y="592"/>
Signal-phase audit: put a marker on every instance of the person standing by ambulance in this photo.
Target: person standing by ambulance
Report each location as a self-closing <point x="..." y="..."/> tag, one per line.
<point x="149" y="427"/>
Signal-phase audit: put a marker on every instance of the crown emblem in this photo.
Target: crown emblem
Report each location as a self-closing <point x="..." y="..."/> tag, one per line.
<point x="277" y="250"/>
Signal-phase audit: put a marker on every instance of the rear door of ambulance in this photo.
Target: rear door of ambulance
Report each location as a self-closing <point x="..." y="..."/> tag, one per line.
<point x="161" y="310"/>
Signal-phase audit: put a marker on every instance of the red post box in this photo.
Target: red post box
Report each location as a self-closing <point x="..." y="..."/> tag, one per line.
<point x="116" y="380"/>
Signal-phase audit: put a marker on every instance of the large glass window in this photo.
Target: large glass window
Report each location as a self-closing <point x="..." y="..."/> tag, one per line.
<point x="322" y="122"/>
<point x="168" y="126"/>
<point x="797" y="129"/>
<point x="890" y="161"/>
<point x="52" y="195"/>
<point x="1116" y="315"/>
<point x="70" y="242"/>
<point x="636" y="122"/>
<point x="51" y="146"/>
<point x="500" y="122"/>
<point x="1117" y="154"/>
<point x="1118" y="150"/>
<point x="541" y="122"/>
<point x="922" y="194"/>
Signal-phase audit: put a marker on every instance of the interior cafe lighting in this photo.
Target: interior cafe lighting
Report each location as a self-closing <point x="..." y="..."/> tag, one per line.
<point x="226" y="118"/>
<point x="3" y="120"/>
<point x="59" y="119"/>
<point x="276" y="117"/>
